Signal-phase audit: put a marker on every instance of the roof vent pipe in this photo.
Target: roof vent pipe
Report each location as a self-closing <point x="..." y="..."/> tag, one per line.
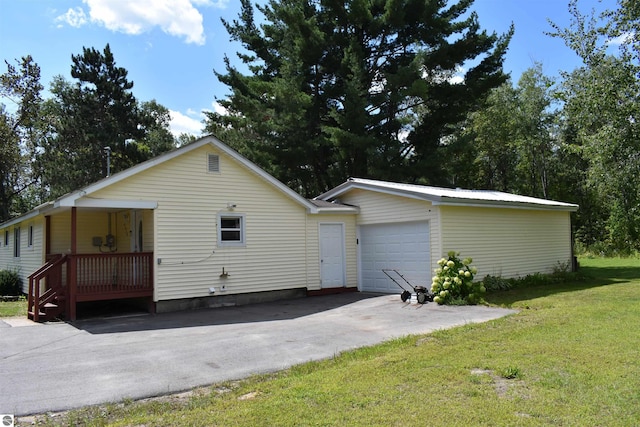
<point x="107" y="151"/>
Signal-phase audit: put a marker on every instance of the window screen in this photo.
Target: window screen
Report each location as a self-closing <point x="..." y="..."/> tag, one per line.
<point x="231" y="229"/>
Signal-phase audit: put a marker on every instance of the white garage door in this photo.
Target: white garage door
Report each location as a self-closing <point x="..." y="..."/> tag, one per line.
<point x="402" y="246"/>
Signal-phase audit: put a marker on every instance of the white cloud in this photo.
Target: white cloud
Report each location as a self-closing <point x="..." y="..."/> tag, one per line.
<point x="219" y="4"/>
<point x="456" y="79"/>
<point x="181" y="123"/>
<point x="458" y="76"/>
<point x="73" y="17"/>
<point x="175" y="17"/>
<point x="219" y="109"/>
<point x="621" y="39"/>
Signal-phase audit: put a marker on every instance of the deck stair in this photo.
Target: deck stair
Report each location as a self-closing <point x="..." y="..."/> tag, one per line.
<point x="47" y="296"/>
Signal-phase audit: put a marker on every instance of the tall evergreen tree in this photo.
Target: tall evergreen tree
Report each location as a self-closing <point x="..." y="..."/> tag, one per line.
<point x="357" y="88"/>
<point x="98" y="111"/>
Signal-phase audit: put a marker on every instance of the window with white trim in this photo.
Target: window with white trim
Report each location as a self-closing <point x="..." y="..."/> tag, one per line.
<point x="231" y="229"/>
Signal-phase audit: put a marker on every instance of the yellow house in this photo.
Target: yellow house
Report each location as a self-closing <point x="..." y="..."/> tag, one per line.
<point x="409" y="227"/>
<point x="202" y="226"/>
<point x="199" y="226"/>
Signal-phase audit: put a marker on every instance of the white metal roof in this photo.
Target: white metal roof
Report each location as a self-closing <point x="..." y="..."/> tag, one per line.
<point x="448" y="196"/>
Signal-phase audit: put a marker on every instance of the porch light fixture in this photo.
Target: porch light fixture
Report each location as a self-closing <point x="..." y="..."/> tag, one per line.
<point x="231" y="205"/>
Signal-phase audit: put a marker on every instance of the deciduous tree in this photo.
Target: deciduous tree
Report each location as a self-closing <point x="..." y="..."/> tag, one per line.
<point x="602" y="108"/>
<point x="20" y="128"/>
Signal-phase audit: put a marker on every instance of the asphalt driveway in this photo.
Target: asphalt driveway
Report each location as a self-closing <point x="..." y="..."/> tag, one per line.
<point x="58" y="366"/>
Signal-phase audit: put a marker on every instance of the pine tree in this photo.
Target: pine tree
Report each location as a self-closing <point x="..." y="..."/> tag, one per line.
<point x="357" y="88"/>
<point x="98" y="111"/>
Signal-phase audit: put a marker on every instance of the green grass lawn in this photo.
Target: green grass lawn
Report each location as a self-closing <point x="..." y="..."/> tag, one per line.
<point x="570" y="357"/>
<point x="13" y="308"/>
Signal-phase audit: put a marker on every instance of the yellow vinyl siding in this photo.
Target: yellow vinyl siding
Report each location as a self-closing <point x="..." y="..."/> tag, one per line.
<point x="189" y="199"/>
<point x="89" y="224"/>
<point x="507" y="242"/>
<point x="313" y="247"/>
<point x="380" y="208"/>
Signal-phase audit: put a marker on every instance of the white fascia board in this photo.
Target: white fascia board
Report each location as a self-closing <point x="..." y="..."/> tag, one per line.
<point x="348" y="186"/>
<point x="40" y="210"/>
<point x="339" y="210"/>
<point x="503" y="205"/>
<point x="20" y="219"/>
<point x="335" y="192"/>
<point x="116" y="204"/>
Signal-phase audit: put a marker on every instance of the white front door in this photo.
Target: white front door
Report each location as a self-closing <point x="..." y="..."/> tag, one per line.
<point x="332" y="262"/>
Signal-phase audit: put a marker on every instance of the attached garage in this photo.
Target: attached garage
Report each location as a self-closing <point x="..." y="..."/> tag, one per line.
<point x="397" y="246"/>
<point x="407" y="228"/>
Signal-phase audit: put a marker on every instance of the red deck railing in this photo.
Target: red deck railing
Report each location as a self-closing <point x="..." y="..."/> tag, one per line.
<point x="92" y="277"/>
<point x="112" y="276"/>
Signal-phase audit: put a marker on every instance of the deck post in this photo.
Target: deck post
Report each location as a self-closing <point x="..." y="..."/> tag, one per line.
<point x="72" y="281"/>
<point x="72" y="270"/>
<point x="30" y="303"/>
<point x="36" y="301"/>
<point x="74" y="224"/>
<point x="47" y="236"/>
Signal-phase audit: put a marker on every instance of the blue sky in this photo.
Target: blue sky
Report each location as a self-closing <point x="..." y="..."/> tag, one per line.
<point x="171" y="47"/>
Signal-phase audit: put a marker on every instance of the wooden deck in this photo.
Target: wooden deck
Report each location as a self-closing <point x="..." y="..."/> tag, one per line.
<point x="65" y="280"/>
<point x="112" y="276"/>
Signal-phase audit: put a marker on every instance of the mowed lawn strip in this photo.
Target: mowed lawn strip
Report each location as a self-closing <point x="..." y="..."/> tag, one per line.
<point x="571" y="356"/>
<point x="13" y="308"/>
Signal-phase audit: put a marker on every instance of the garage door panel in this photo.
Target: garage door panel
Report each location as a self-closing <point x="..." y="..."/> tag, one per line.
<point x="403" y="247"/>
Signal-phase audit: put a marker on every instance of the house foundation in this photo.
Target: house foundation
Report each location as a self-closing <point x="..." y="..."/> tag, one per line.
<point x="215" y="301"/>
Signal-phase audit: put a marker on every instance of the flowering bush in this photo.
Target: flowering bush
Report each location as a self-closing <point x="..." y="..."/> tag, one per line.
<point x="453" y="282"/>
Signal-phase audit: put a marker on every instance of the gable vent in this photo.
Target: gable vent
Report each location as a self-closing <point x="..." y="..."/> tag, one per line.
<point x="213" y="163"/>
